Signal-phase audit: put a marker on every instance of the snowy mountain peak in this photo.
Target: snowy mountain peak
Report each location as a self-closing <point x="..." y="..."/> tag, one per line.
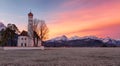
<point x="63" y="38"/>
<point x="88" y="38"/>
<point x="110" y="41"/>
<point x="74" y="38"/>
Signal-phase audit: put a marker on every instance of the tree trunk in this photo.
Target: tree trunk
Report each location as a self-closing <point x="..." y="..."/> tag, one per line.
<point x="37" y="42"/>
<point x="34" y="42"/>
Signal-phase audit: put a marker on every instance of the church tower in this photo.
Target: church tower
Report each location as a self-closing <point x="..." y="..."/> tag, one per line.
<point x="30" y="25"/>
<point x="30" y="29"/>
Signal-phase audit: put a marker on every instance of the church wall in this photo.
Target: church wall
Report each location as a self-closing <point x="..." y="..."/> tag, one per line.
<point x="23" y="41"/>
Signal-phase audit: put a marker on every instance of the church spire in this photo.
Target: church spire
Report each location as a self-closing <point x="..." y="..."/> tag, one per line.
<point x="30" y="14"/>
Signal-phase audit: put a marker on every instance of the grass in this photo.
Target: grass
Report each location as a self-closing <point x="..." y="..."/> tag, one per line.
<point x="61" y="57"/>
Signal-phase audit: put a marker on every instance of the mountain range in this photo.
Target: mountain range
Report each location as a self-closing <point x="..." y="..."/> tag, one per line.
<point x="86" y="41"/>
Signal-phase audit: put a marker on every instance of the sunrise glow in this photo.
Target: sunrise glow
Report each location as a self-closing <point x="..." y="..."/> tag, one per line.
<point x="99" y="18"/>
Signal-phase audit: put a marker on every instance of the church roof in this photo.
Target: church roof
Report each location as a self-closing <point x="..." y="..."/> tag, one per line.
<point x="24" y="33"/>
<point x="30" y="14"/>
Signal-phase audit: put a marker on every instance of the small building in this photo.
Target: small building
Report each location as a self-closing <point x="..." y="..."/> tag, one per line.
<point x="23" y="39"/>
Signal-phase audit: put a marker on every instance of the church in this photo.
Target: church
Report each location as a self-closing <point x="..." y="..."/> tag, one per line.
<point x="25" y="39"/>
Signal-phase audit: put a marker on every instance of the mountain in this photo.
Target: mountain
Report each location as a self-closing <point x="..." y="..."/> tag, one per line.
<point x="86" y="41"/>
<point x="90" y="37"/>
<point x="60" y="38"/>
<point x="64" y="38"/>
<point x="111" y="41"/>
<point x="74" y="38"/>
<point x="2" y="26"/>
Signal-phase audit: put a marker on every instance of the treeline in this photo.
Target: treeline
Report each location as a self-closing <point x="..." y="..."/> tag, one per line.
<point x="8" y="36"/>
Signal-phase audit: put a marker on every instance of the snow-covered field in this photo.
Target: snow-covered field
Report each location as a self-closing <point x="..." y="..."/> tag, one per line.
<point x="61" y="57"/>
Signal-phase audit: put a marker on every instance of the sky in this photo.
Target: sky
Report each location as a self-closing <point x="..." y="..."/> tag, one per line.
<point x="99" y="18"/>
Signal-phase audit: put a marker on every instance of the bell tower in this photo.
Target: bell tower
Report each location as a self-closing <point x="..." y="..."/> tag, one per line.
<point x="30" y="25"/>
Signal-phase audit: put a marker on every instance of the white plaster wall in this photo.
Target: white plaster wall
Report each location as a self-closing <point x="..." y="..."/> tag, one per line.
<point x="21" y="39"/>
<point x="30" y="42"/>
<point x="39" y="43"/>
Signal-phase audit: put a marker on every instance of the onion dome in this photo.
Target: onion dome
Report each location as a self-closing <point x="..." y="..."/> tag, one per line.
<point x="30" y="14"/>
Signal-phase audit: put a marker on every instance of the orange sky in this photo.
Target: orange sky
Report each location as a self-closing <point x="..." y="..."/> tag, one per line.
<point x="102" y="20"/>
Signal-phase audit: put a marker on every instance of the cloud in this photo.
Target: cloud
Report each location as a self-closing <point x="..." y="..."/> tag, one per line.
<point x="86" y="3"/>
<point x="96" y="19"/>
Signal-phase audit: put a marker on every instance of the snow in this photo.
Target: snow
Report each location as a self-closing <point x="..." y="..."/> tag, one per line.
<point x="105" y="40"/>
<point x="63" y="37"/>
<point x="90" y="37"/>
<point x="74" y="38"/>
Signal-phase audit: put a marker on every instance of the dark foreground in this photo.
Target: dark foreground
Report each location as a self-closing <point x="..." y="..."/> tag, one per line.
<point x="61" y="57"/>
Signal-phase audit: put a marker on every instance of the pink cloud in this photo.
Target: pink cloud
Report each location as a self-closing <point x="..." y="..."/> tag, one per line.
<point x="95" y="19"/>
<point x="93" y="3"/>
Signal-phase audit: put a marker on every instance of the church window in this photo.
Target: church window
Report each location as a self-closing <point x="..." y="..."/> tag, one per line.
<point x="21" y="44"/>
<point x="25" y="45"/>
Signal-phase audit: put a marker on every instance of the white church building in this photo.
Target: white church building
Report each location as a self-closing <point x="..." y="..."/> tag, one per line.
<point x="25" y="39"/>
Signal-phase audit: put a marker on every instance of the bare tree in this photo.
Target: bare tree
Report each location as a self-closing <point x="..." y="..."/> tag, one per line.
<point x="35" y="34"/>
<point x="35" y="24"/>
<point x="40" y="31"/>
<point x="43" y="31"/>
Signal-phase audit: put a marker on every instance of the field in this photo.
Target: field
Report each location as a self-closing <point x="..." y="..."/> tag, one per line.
<point x="61" y="57"/>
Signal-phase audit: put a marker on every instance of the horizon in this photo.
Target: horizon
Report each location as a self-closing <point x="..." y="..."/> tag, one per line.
<point x="99" y="18"/>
